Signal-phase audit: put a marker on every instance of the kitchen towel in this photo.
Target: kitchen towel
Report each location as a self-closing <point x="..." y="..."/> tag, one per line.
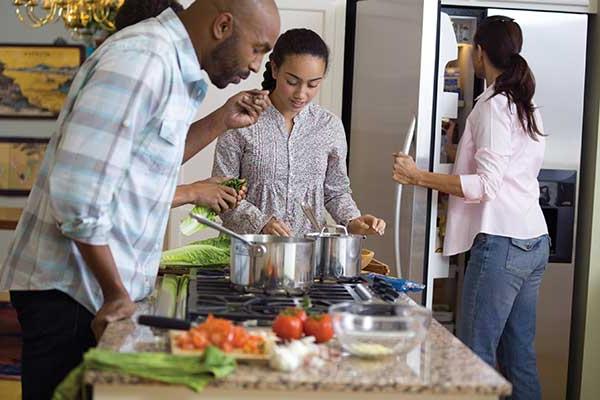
<point x="193" y="372"/>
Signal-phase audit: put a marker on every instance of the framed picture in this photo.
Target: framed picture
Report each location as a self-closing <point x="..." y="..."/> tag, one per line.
<point x="20" y="161"/>
<point x="35" y="79"/>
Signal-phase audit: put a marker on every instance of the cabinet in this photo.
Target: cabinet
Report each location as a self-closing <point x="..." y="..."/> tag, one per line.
<point x="582" y="6"/>
<point x="327" y="18"/>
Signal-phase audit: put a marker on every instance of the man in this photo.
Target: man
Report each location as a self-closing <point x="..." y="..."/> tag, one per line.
<point x="89" y="241"/>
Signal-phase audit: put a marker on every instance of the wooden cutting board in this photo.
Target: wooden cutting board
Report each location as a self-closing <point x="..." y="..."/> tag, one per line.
<point x="238" y="355"/>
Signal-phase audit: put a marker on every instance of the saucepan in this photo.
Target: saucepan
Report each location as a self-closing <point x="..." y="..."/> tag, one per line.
<point x="269" y="263"/>
<point x="337" y="253"/>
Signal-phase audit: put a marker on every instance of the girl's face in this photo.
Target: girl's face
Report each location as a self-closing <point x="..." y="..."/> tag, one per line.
<point x="298" y="81"/>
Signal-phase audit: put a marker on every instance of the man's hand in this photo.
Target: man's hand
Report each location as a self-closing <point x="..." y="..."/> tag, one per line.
<point x="244" y="108"/>
<point x="112" y="310"/>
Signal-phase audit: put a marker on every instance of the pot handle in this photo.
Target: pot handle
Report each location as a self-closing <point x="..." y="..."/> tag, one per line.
<point x="336" y="227"/>
<point x="255" y="249"/>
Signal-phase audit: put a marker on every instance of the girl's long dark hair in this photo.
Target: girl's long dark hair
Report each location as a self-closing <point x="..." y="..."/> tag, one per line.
<point x="294" y="42"/>
<point x="502" y="39"/>
<point x="134" y="11"/>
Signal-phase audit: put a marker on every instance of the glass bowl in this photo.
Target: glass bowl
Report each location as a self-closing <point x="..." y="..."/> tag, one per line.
<point x="374" y="330"/>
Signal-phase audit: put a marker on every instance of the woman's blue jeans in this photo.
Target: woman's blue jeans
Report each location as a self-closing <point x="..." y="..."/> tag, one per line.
<point x="498" y="309"/>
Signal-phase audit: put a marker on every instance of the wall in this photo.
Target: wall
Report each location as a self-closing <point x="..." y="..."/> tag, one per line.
<point x="585" y="345"/>
<point x="13" y="31"/>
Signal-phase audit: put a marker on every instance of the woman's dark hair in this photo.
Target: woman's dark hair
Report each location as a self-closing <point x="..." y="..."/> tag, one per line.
<point x="294" y="42"/>
<point x="134" y="11"/>
<point x="502" y="39"/>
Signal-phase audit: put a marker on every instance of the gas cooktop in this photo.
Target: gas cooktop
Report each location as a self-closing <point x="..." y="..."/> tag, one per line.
<point x="211" y="292"/>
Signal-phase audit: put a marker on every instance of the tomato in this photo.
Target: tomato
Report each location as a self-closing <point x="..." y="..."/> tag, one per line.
<point x="296" y="312"/>
<point x="287" y="327"/>
<point x="319" y="326"/>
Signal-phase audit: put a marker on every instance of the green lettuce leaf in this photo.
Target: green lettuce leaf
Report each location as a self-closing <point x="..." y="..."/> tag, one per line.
<point x="189" y="225"/>
<point x="212" y="251"/>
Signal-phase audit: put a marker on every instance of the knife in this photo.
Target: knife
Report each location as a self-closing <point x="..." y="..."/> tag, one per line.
<point x="177" y="324"/>
<point x="165" y="322"/>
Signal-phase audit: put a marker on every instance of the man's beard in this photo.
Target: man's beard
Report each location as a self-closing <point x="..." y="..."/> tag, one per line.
<point x="225" y="62"/>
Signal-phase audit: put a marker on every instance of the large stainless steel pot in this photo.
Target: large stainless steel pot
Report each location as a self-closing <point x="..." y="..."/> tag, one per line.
<point x="337" y="253"/>
<point x="268" y="263"/>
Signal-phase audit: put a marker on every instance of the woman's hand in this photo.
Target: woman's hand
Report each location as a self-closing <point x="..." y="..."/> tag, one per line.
<point x="405" y="170"/>
<point x="277" y="228"/>
<point x="367" y="225"/>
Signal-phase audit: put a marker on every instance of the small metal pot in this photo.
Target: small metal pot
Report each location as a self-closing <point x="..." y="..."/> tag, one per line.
<point x="269" y="263"/>
<point x="337" y="253"/>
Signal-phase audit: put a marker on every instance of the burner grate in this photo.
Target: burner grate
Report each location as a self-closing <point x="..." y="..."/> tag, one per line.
<point x="211" y="292"/>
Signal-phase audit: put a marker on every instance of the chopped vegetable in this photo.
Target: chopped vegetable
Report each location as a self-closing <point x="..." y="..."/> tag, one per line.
<point x="290" y="356"/>
<point x="222" y="334"/>
<point x="370" y="349"/>
<point x="214" y="251"/>
<point x="189" y="225"/>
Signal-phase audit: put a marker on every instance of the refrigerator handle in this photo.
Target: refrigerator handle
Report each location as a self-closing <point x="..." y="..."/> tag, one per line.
<point x="405" y="149"/>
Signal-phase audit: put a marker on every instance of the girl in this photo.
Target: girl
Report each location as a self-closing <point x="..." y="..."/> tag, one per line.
<point x="295" y="153"/>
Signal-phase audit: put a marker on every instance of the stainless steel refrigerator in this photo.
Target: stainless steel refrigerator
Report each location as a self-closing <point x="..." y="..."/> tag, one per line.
<point x="411" y="58"/>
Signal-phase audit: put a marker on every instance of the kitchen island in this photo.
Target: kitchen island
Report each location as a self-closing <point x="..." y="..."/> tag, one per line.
<point x="442" y="368"/>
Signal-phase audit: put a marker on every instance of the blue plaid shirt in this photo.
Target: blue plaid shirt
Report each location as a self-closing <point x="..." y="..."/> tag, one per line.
<point x="111" y="167"/>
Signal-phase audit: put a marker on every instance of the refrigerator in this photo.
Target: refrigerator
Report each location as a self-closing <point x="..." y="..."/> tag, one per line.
<point x="409" y="86"/>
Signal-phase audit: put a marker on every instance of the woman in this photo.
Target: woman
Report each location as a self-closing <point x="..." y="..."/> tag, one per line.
<point x="295" y="153"/>
<point x="494" y="209"/>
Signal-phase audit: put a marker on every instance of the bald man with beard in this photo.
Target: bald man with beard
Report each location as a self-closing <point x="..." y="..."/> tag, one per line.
<point x="88" y="244"/>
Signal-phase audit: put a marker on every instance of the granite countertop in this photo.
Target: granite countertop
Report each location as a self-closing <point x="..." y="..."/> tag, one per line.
<point x="442" y="365"/>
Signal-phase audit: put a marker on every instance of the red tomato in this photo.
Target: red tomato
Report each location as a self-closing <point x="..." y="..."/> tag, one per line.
<point x="319" y="326"/>
<point x="287" y="327"/>
<point x="296" y="312"/>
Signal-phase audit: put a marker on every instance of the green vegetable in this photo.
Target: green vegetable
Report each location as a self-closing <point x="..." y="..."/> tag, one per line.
<point x="189" y="225"/>
<point x="182" y="294"/>
<point x="193" y="372"/>
<point x="167" y="299"/>
<point x="213" y="251"/>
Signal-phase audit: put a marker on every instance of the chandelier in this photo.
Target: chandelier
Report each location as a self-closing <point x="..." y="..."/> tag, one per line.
<point x="81" y="17"/>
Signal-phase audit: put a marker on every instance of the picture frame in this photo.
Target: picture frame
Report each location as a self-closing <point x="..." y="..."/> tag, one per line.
<point x="20" y="161"/>
<point x="35" y="78"/>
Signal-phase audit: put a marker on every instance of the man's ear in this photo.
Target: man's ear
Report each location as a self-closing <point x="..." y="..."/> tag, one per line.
<point x="223" y="26"/>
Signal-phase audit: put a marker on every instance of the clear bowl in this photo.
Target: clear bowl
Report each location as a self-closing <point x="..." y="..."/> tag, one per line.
<point x="379" y="329"/>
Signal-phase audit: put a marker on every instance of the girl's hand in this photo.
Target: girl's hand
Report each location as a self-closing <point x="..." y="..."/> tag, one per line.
<point x="277" y="228"/>
<point x="367" y="225"/>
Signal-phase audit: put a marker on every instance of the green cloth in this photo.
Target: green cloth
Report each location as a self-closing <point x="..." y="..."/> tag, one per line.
<point x="193" y="372"/>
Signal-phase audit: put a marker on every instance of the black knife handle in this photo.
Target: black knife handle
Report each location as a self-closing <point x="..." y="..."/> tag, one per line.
<point x="164" y="322"/>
